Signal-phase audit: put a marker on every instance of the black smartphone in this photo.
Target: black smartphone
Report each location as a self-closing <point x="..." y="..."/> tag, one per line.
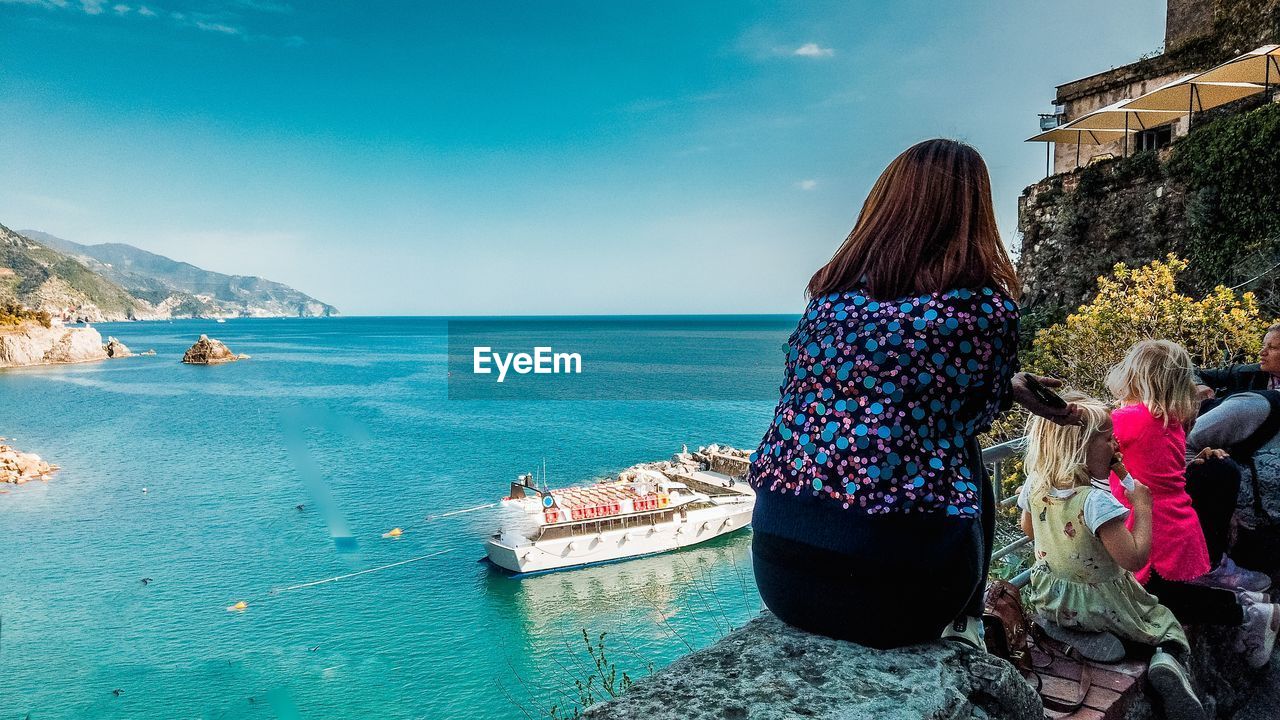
<point x="1044" y="394"/>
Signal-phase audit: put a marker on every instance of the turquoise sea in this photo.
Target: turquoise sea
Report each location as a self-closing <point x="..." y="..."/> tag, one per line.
<point x="367" y="401"/>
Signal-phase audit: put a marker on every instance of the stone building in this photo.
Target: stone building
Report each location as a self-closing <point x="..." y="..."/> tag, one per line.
<point x="1198" y="35"/>
<point x="1077" y="223"/>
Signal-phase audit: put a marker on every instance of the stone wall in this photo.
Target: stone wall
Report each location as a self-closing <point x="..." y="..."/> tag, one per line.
<point x="1187" y="20"/>
<point x="730" y="465"/>
<point x="1076" y="227"/>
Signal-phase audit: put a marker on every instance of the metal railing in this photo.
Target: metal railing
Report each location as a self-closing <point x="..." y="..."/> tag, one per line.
<point x="995" y="457"/>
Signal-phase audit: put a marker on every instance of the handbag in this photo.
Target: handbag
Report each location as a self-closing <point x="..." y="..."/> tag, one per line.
<point x="1008" y="635"/>
<point x="1005" y="626"/>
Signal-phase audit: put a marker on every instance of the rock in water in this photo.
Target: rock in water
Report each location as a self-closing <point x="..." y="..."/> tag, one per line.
<point x="19" y="467"/>
<point x="208" y="351"/>
<point x="769" y="671"/>
<point x="116" y="349"/>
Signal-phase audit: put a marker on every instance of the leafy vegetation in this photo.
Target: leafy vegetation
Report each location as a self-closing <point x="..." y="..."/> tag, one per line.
<point x="602" y="682"/>
<point x="14" y="314"/>
<point x="1138" y="303"/>
<point x="1233" y="202"/>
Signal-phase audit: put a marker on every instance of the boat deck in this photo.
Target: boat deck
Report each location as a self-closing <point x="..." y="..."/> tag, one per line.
<point x="711" y="483"/>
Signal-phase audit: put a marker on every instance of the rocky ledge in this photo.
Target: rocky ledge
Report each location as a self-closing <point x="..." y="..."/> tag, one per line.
<point x="19" y="467"/>
<point x="34" y="344"/>
<point x="767" y="670"/>
<point x="208" y="351"/>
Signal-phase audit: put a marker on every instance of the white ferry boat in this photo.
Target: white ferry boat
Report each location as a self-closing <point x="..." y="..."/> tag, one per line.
<point x="647" y="509"/>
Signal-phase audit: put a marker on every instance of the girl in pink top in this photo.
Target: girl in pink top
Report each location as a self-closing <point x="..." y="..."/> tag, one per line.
<point x="1154" y="451"/>
<point x="1155" y="386"/>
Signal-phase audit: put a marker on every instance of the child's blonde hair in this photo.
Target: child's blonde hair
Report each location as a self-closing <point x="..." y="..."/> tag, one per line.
<point x="1160" y="375"/>
<point x="1056" y="454"/>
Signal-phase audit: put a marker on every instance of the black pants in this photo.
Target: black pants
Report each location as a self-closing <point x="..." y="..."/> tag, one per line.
<point x="879" y="580"/>
<point x="1258" y="549"/>
<point x="1196" y="604"/>
<point x="1213" y="486"/>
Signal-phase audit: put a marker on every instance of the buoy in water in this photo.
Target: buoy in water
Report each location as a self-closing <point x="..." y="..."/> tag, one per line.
<point x="242" y="605"/>
<point x="395" y="532"/>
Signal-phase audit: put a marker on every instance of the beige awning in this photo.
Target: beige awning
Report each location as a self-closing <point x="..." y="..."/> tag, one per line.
<point x="1256" y="66"/>
<point x="1115" y="117"/>
<point x="1073" y="136"/>
<point x="1190" y="93"/>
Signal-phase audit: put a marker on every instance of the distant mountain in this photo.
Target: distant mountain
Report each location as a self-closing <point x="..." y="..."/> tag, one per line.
<point x="41" y="278"/>
<point x="169" y="288"/>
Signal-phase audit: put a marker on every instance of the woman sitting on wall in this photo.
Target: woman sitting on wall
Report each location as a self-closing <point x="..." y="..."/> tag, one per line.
<point x="874" y="517"/>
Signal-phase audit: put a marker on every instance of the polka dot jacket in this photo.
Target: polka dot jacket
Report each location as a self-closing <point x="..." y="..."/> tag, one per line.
<point x="881" y="400"/>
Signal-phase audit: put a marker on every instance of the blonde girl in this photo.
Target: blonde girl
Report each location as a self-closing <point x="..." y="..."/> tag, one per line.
<point x="1084" y="552"/>
<point x="1155" y="386"/>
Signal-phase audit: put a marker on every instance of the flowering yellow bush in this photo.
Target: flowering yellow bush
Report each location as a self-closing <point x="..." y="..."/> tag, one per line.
<point x="1139" y="303"/>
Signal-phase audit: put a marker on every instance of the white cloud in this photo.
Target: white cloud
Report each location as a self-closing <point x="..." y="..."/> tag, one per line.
<point x="807" y="184"/>
<point x="41" y="3"/>
<point x="217" y="27"/>
<point x="266" y="6"/>
<point x="215" y="23"/>
<point x="813" y="50"/>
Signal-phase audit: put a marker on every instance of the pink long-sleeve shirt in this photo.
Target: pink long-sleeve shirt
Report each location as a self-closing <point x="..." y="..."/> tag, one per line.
<point x="1156" y="457"/>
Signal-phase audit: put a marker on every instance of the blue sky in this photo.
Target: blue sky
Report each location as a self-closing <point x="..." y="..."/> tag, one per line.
<point x="518" y="157"/>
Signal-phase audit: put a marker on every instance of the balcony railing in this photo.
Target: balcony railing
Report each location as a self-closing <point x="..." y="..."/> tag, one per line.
<point x="995" y="458"/>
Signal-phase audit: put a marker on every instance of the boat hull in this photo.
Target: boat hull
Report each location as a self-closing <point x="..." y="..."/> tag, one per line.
<point x="615" y="545"/>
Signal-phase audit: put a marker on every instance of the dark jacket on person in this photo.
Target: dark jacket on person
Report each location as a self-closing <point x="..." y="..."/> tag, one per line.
<point x="880" y="404"/>
<point x="1235" y="378"/>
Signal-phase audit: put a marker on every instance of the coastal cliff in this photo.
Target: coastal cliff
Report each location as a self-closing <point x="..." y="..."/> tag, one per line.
<point x="166" y="288"/>
<point x="34" y="344"/>
<point x="114" y="281"/>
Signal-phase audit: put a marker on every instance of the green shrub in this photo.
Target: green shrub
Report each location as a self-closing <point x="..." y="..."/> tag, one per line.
<point x="1230" y="168"/>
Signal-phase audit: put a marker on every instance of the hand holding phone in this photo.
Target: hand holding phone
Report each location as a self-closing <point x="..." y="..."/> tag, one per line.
<point x="1044" y="394"/>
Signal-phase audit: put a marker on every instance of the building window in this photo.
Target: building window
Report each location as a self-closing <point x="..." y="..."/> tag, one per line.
<point x="1155" y="138"/>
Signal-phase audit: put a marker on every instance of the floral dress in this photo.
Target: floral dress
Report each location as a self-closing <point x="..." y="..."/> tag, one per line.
<point x="1076" y="583"/>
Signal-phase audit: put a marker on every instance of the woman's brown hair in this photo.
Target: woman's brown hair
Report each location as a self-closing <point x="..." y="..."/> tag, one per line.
<point x="927" y="226"/>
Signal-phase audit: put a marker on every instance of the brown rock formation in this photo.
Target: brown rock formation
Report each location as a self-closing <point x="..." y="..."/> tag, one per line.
<point x="19" y="467"/>
<point x="116" y="349"/>
<point x="208" y="351"/>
